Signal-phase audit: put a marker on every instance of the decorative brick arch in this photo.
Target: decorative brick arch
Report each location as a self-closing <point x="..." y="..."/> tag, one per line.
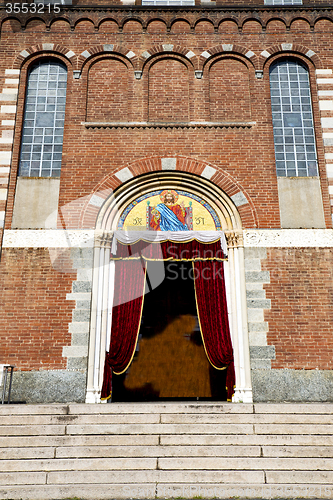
<point x="229" y="49"/>
<point x="218" y="177"/>
<point x="166" y="48"/>
<point x="107" y="49"/>
<point x="42" y="48"/>
<point x="288" y="48"/>
<point x="132" y="18"/>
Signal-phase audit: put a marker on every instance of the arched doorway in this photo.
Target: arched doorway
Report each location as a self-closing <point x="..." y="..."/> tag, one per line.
<point x="220" y="209"/>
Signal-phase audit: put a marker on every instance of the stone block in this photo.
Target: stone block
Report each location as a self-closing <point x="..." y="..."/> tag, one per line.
<point x="12" y="478"/>
<point x="26" y="453"/>
<point x="74" y="351"/>
<point x="259" y="303"/>
<point x="257" y="276"/>
<point x="302" y="478"/>
<point x="256" y="294"/>
<point x="258" y="327"/>
<point x="79" y="338"/>
<point x="81" y="315"/>
<point x="77" y="363"/>
<point x="295" y="209"/>
<point x="261" y="364"/>
<point x="252" y="265"/>
<point x="81" y="286"/>
<point x="258" y="338"/>
<point x="49" y="386"/>
<point x="84" y="274"/>
<point x="292" y="385"/>
<point x="262" y="352"/>
<point x="255" y="253"/>
<point x="255" y="315"/>
<point x="79" y="327"/>
<point x="83" y="304"/>
<point x="36" y="203"/>
<point x="160" y="429"/>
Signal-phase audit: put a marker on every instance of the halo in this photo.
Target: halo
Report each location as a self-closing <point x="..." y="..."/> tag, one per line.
<point x="169" y="191"/>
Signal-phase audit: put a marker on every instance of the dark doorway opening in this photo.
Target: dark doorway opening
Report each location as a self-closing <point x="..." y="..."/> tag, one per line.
<point x="170" y="362"/>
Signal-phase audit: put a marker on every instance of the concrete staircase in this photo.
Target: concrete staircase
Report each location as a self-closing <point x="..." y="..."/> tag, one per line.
<point x="166" y="450"/>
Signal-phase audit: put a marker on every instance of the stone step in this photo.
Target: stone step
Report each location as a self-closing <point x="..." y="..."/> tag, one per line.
<point x="166" y="450"/>
<point x="131" y="451"/>
<point x="169" y="464"/>
<point x="172" y="418"/>
<point x="105" y="491"/>
<point x="161" y="429"/>
<point x="167" y="440"/>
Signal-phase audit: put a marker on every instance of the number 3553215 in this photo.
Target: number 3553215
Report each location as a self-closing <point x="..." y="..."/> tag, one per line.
<point x="32" y="8"/>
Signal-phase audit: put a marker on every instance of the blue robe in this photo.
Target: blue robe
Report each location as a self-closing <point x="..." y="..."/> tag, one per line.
<point x="169" y="221"/>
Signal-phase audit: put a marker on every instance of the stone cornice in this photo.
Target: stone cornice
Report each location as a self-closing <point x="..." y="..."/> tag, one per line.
<point x="87" y="238"/>
<point x="145" y="14"/>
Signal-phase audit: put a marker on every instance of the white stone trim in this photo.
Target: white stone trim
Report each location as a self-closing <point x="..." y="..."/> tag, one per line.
<point x="288" y="238"/>
<point x="48" y="238"/>
<point x="5" y="157"/>
<point x="249" y="54"/>
<point x="325" y="81"/>
<point x="85" y="54"/>
<point x="12" y="72"/>
<point x="146" y="54"/>
<point x="325" y="105"/>
<point x="227" y="47"/>
<point x="190" y="54"/>
<point x="48" y="46"/>
<point x="208" y="172"/>
<point x="70" y="54"/>
<point x="12" y="81"/>
<point x="96" y="201"/>
<point x="130" y="54"/>
<point x="325" y="93"/>
<point x="8" y="109"/>
<point x="74" y="351"/>
<point x="205" y="54"/>
<point x="168" y="47"/>
<point x="24" y="53"/>
<point x="8" y="123"/>
<point x="310" y="53"/>
<point x="124" y="174"/>
<point x="286" y="46"/>
<point x="327" y="122"/>
<point x="169" y="163"/>
<point x="323" y="71"/>
<point x="264" y="53"/>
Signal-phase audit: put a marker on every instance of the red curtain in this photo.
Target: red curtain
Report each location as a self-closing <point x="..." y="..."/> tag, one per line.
<point x="213" y="317"/>
<point x="130" y="276"/>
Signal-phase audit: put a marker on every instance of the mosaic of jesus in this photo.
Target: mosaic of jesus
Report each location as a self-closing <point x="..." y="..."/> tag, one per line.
<point x="169" y="210"/>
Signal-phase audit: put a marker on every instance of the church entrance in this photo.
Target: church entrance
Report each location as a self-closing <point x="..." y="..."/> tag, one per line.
<point x="170" y="362"/>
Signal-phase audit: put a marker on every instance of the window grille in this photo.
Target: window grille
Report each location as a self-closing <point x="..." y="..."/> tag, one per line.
<point x="44" y="115"/>
<point x="168" y="2"/>
<point x="283" y="2"/>
<point x="294" y="138"/>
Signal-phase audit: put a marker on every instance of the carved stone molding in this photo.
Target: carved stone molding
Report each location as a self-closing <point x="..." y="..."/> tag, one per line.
<point x="234" y="239"/>
<point x="48" y="238"/>
<point x="103" y="239"/>
<point x="288" y="238"/>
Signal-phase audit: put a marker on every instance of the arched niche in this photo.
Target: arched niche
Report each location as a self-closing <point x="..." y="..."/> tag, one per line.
<point x="103" y="272"/>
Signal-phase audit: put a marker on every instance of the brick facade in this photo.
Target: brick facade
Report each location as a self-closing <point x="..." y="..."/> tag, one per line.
<point x="146" y="84"/>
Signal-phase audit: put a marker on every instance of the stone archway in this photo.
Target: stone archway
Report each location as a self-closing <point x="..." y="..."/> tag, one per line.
<point x="103" y="277"/>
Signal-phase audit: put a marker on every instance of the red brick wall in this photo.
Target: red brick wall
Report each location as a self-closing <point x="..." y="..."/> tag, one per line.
<point x="107" y="91"/>
<point x="168" y="91"/>
<point x="301" y="316"/>
<point x="34" y="311"/>
<point x="229" y="91"/>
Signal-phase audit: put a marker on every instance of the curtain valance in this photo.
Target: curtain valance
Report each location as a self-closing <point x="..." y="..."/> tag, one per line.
<point x="169" y="245"/>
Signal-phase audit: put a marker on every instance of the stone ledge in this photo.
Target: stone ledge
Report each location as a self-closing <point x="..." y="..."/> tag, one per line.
<point x="130" y="125"/>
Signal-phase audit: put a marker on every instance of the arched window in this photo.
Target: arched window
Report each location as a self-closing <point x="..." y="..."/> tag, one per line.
<point x="44" y="116"/>
<point x="294" y="138"/>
